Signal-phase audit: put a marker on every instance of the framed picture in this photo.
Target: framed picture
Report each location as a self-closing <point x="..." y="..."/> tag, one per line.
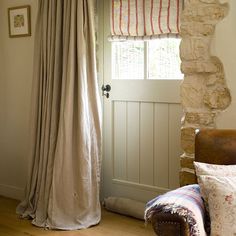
<point x="19" y="21"/>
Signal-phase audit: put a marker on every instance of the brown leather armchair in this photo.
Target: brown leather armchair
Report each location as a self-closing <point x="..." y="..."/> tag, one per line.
<point x="211" y="146"/>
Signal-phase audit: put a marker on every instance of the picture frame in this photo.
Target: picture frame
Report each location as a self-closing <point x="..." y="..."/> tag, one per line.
<point x="19" y="21"/>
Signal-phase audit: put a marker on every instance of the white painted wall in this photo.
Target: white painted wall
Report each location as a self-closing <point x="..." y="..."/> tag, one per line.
<point x="16" y="62"/>
<point x="224" y="46"/>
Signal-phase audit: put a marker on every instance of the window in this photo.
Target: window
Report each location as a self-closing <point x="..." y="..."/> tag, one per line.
<point x="154" y="59"/>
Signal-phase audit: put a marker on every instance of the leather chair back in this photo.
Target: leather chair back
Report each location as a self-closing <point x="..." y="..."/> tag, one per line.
<point x="216" y="146"/>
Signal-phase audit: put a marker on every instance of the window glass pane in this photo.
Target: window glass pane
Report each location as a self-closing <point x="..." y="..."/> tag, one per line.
<point x="128" y="60"/>
<point x="163" y="59"/>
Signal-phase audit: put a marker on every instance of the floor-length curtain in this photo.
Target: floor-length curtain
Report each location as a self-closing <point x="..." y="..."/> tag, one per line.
<point x="63" y="186"/>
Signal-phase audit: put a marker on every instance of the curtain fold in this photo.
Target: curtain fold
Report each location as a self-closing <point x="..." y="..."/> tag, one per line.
<point x="63" y="187"/>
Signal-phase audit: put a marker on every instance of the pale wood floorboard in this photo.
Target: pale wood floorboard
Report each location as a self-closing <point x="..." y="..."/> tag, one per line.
<point x="111" y="224"/>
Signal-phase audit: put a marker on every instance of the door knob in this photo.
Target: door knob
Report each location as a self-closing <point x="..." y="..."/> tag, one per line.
<point x="105" y="90"/>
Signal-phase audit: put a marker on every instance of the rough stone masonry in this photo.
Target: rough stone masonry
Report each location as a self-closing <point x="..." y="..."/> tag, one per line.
<point x="204" y="91"/>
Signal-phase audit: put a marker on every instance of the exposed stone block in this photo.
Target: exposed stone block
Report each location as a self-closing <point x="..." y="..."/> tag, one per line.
<point x="201" y="119"/>
<point x="191" y="2"/>
<point x="188" y="139"/>
<point x="196" y="29"/>
<point x="209" y="1"/>
<point x="195" y="48"/>
<point x="215" y="79"/>
<point x="191" y="67"/>
<point x="187" y="178"/>
<point x="192" y="95"/>
<point x="218" y="98"/>
<point x="218" y="63"/>
<point x="205" y="13"/>
<point x="186" y="161"/>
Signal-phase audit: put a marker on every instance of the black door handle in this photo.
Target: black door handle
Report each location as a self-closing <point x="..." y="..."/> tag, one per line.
<point x="105" y="90"/>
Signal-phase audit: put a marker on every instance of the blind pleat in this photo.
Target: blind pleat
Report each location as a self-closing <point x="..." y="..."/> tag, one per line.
<point x="144" y="19"/>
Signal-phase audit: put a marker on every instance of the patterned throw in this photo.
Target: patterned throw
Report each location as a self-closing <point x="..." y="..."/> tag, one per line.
<point x="186" y="202"/>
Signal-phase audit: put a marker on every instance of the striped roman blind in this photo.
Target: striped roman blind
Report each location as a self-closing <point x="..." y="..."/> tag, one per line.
<point x="144" y="19"/>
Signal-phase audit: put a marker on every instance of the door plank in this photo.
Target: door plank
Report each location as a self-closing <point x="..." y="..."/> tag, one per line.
<point x="119" y="140"/>
<point x="146" y="143"/>
<point x="175" y="113"/>
<point x="133" y="134"/>
<point x="161" y="152"/>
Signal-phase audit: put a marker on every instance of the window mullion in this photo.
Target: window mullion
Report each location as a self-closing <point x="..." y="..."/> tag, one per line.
<point x="145" y="60"/>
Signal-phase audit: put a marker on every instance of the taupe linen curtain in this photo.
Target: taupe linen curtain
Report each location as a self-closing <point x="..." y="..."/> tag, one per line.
<point x="63" y="187"/>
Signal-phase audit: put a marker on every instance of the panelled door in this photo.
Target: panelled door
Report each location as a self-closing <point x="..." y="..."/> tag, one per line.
<point x="141" y="129"/>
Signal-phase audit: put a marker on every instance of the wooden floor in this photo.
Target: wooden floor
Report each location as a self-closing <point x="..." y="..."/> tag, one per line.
<point x="111" y="224"/>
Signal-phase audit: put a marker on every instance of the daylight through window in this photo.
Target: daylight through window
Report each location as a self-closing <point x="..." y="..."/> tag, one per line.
<point x="154" y="59"/>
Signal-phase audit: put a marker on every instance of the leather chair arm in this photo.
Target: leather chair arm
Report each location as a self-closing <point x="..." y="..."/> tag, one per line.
<point x="166" y="224"/>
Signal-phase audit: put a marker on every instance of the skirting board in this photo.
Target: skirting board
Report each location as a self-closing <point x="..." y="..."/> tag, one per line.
<point x="11" y="192"/>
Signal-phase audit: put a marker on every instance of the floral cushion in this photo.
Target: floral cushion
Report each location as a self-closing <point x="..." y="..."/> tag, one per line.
<point x="213" y="170"/>
<point x="185" y="202"/>
<point x="221" y="196"/>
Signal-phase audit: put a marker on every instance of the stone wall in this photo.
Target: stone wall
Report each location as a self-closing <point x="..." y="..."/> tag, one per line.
<point x="204" y="92"/>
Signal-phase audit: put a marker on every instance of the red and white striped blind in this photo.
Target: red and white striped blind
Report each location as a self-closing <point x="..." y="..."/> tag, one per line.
<point x="144" y="19"/>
